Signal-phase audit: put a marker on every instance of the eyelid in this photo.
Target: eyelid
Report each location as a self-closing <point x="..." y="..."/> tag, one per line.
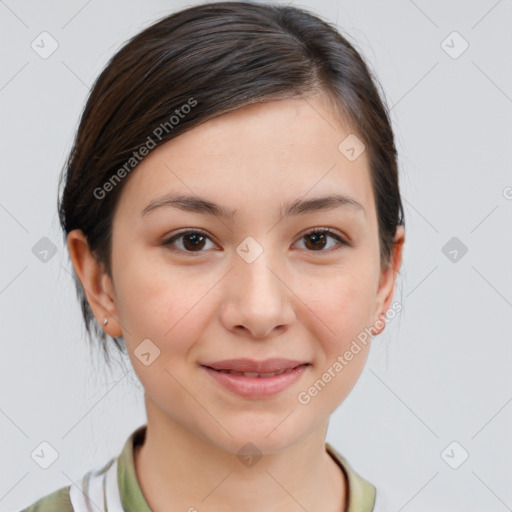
<point x="324" y="230"/>
<point x="186" y="231"/>
<point x="342" y="240"/>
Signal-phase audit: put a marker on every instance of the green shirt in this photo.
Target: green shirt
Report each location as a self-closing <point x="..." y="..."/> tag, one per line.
<point x="114" y="486"/>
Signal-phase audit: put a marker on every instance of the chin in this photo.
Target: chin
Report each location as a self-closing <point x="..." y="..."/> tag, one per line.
<point x="264" y="437"/>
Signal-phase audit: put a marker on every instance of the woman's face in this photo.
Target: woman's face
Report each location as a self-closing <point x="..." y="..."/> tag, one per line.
<point x="251" y="283"/>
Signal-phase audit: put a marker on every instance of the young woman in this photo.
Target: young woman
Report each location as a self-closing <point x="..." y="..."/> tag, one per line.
<point x="232" y="211"/>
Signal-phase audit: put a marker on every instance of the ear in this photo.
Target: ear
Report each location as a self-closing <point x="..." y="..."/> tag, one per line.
<point x="97" y="285"/>
<point x="387" y="280"/>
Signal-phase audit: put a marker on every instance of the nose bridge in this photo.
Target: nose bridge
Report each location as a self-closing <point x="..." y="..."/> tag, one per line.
<point x="254" y="275"/>
<point x="257" y="299"/>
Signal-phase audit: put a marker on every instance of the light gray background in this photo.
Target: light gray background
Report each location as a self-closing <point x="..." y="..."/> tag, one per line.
<point x="439" y="373"/>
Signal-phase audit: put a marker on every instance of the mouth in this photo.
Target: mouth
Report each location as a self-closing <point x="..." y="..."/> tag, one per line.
<point x="251" y="379"/>
<point x="252" y="368"/>
<point x="256" y="374"/>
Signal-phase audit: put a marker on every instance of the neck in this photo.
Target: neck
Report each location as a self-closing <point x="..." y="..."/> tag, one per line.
<point x="176" y="468"/>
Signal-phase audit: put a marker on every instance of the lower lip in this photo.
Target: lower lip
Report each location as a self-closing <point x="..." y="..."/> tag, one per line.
<point x="257" y="387"/>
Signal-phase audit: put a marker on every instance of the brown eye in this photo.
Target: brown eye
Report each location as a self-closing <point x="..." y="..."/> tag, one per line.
<point x="317" y="239"/>
<point x="191" y="241"/>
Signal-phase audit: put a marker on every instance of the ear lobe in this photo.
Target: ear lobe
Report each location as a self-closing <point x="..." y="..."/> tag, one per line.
<point x="96" y="284"/>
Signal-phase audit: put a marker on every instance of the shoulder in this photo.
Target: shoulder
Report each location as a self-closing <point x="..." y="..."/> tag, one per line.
<point x="361" y="492"/>
<point x="57" y="501"/>
<point x="93" y="484"/>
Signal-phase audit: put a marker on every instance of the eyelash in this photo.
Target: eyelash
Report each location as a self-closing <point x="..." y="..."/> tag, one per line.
<point x="314" y="231"/>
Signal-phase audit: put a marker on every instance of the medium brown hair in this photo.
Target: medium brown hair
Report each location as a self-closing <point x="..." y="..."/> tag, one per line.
<point x="224" y="55"/>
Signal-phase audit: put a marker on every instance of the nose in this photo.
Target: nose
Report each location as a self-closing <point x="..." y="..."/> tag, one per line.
<point x="257" y="300"/>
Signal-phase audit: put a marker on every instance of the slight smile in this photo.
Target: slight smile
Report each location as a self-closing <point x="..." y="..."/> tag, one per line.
<point x="253" y="379"/>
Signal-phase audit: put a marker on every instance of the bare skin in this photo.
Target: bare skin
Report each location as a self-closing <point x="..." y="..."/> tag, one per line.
<point x="298" y="300"/>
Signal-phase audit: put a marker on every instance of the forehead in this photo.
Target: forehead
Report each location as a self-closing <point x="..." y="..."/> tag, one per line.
<point x="262" y="153"/>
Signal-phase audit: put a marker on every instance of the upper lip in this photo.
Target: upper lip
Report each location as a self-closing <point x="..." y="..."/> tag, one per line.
<point x="249" y="365"/>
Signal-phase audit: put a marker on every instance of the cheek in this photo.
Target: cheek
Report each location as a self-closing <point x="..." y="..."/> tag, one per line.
<point x="344" y="305"/>
<point x="344" y="309"/>
<point x="155" y="300"/>
<point x="169" y="312"/>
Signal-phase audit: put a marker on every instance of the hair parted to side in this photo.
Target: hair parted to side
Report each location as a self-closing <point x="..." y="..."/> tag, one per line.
<point x="218" y="57"/>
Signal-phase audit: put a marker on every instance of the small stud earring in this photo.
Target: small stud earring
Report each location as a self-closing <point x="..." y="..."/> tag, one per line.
<point x="105" y="322"/>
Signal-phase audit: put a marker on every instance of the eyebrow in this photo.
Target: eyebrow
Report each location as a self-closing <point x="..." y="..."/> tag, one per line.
<point x="195" y="204"/>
